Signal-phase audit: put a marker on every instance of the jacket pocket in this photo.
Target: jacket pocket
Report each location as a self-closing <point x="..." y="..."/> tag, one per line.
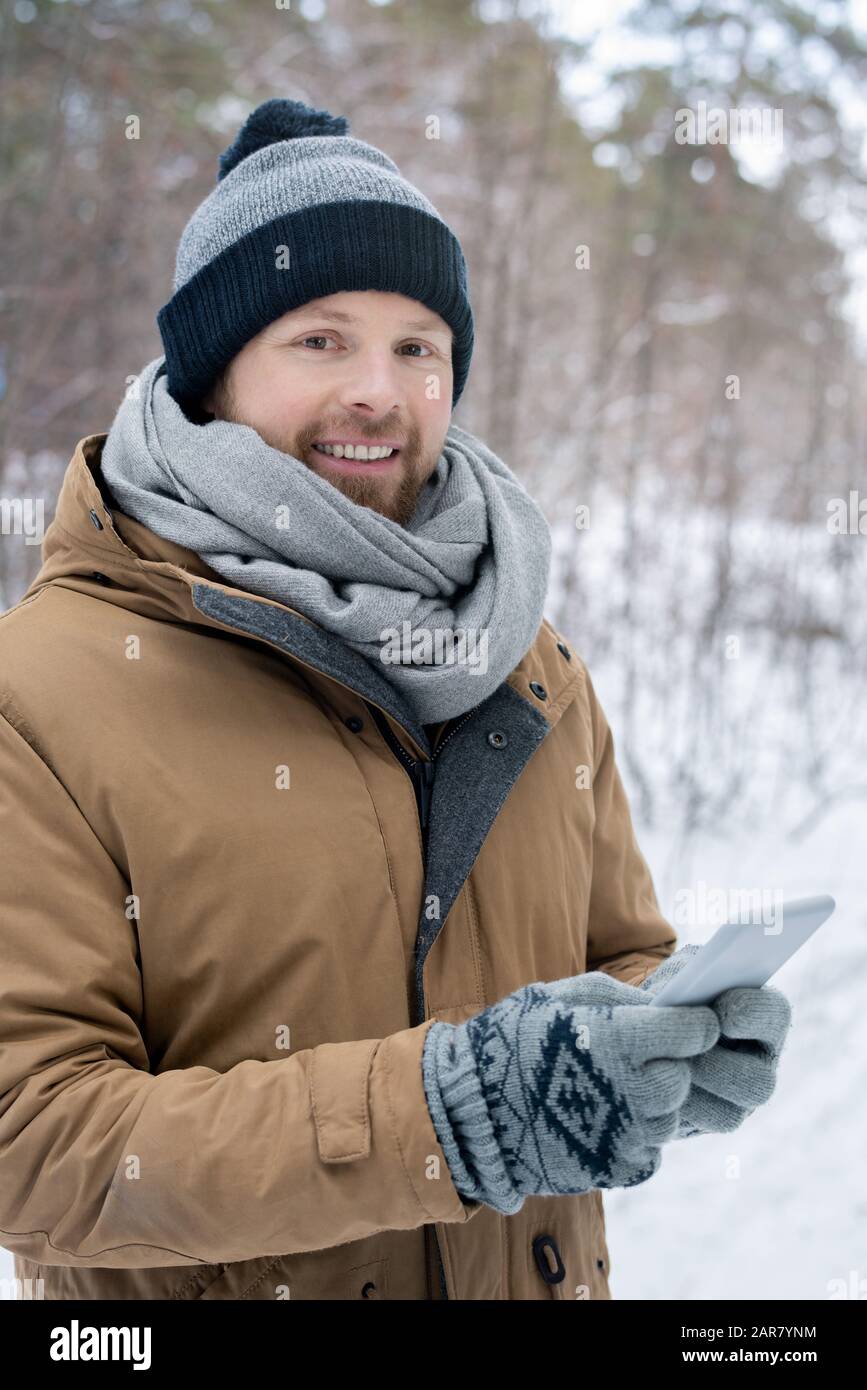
<point x="339" y="1273"/>
<point x="197" y="1283"/>
<point x="367" y="1281"/>
<point x="258" y="1279"/>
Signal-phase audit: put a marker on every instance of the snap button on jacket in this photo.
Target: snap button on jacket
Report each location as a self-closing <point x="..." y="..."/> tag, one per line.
<point x="238" y="882"/>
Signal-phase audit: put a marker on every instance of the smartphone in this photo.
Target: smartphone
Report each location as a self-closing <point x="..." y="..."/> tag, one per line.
<point x="746" y="953"/>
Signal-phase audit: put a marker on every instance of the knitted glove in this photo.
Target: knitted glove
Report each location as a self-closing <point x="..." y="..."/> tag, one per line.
<point x="560" y="1088"/>
<point x="740" y="1073"/>
<point x="654" y="982"/>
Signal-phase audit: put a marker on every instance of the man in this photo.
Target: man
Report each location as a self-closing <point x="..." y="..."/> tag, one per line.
<point x="323" y="918"/>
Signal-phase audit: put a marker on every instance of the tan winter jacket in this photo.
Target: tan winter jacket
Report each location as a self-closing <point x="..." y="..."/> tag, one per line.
<point x="233" y="898"/>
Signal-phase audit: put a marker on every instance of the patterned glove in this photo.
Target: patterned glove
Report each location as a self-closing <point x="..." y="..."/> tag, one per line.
<point x="560" y="1088"/>
<point x="737" y="1075"/>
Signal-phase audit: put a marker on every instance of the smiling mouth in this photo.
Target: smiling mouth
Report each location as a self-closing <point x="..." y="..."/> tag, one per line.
<point x="354" y="465"/>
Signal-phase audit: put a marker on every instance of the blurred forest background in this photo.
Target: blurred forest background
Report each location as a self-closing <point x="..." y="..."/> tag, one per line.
<point x="695" y="377"/>
<point x="671" y="345"/>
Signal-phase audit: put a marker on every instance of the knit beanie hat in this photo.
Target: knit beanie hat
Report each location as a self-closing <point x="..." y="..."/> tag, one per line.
<point x="302" y="210"/>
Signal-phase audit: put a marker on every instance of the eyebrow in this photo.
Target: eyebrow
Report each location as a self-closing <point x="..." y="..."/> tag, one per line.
<point x="340" y="316"/>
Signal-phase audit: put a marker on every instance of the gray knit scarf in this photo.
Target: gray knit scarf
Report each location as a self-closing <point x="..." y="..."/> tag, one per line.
<point x="445" y="607"/>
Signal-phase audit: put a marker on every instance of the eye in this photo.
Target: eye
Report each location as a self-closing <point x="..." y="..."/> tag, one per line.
<point x="421" y="345"/>
<point x="317" y="338"/>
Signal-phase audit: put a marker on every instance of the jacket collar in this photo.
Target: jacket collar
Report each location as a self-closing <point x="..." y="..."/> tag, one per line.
<point x="89" y="536"/>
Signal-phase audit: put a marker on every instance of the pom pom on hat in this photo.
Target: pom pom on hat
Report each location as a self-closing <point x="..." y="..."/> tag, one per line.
<point x="278" y="119"/>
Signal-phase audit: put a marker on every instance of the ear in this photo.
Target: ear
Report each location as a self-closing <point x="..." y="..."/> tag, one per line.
<point x="216" y="400"/>
<point x="211" y="402"/>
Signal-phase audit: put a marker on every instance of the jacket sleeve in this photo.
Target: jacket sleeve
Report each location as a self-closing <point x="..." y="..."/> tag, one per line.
<point x="103" y="1162"/>
<point x="628" y="937"/>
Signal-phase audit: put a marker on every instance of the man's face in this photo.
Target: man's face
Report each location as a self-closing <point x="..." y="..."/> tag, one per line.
<point x="363" y="367"/>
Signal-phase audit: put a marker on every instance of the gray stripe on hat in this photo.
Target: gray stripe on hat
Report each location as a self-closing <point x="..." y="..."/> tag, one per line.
<point x="286" y="177"/>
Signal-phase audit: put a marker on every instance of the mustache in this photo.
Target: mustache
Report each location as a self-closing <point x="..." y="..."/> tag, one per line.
<point x="355" y="430"/>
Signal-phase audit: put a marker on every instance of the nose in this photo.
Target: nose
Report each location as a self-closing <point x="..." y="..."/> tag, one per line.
<point x="371" y="385"/>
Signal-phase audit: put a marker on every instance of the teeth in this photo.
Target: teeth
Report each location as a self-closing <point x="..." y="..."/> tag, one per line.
<point x="355" y="451"/>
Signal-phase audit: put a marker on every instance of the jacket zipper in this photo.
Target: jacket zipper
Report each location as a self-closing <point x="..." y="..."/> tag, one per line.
<point x="421" y="774"/>
<point x="420" y="770"/>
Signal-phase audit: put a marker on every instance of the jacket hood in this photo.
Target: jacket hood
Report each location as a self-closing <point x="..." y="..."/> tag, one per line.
<point x="89" y="537"/>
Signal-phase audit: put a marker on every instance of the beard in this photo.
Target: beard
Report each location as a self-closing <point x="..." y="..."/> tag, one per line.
<point x="394" y="494"/>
